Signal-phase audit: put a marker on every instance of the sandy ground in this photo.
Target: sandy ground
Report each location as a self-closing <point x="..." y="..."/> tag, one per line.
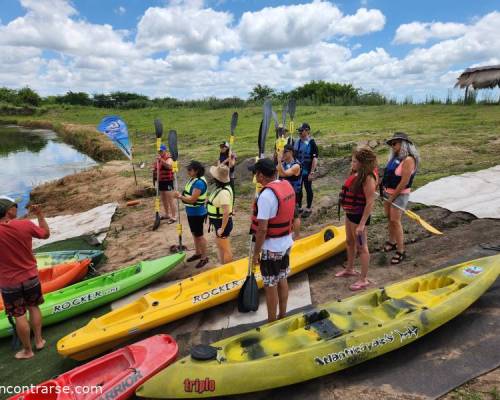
<point x="131" y="239"/>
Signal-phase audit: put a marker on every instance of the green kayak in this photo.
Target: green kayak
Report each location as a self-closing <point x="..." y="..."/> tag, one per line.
<point x="95" y="292"/>
<point x="46" y="259"/>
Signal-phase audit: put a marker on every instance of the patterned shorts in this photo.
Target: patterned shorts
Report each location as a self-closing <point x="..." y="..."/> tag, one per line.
<point x="17" y="299"/>
<point x="274" y="266"/>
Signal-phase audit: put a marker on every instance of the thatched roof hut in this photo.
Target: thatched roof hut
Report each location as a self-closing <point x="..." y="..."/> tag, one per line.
<point x="480" y="78"/>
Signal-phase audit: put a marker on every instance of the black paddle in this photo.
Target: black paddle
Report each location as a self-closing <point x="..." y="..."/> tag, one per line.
<point x="248" y="297"/>
<point x="291" y="111"/>
<point x="276" y="123"/>
<point x="159" y="133"/>
<point x="234" y="122"/>
<point x="172" y="146"/>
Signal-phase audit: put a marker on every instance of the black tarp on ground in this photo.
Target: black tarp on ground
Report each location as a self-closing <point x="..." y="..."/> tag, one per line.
<point x="462" y="349"/>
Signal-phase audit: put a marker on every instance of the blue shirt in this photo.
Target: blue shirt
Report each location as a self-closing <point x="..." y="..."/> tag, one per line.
<point x="197" y="211"/>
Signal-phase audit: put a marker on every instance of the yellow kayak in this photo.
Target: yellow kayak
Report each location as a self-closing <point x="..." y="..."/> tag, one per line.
<point x="189" y="296"/>
<point x="333" y="337"/>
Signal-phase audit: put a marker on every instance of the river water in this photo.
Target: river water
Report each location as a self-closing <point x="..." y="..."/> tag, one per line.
<point x="30" y="157"/>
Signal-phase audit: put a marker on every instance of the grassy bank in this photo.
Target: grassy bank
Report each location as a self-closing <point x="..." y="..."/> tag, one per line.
<point x="452" y="139"/>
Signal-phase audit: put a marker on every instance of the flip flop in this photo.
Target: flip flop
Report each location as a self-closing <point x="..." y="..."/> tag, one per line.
<point x="359" y="286"/>
<point x="345" y="273"/>
<point x="171" y="221"/>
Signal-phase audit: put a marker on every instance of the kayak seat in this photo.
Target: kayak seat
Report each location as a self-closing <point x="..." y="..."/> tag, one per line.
<point x="321" y="324"/>
<point x="386" y="311"/>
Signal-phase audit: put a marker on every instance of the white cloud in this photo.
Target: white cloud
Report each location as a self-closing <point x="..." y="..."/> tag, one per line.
<point x="187" y="27"/>
<point x="422" y="32"/>
<point x="120" y="10"/>
<point x="286" y="27"/>
<point x="48" y="24"/>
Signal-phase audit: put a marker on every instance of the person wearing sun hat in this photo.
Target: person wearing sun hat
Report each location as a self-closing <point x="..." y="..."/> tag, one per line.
<point x="399" y="173"/>
<point x="228" y="158"/>
<point x="219" y="208"/>
<point x="19" y="280"/>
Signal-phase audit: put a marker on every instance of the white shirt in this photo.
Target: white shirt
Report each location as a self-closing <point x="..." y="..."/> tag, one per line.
<point x="267" y="205"/>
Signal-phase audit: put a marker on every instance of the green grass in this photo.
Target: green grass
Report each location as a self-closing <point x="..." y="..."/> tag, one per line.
<point x="452" y="138"/>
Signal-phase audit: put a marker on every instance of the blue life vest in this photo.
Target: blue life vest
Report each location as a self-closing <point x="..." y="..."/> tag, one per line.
<point x="295" y="181"/>
<point x="303" y="154"/>
<point x="391" y="180"/>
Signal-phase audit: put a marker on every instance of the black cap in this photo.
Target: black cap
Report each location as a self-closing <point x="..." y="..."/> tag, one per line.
<point x="399" y="136"/>
<point x="265" y="166"/>
<point x="304" y="126"/>
<point x="225" y="144"/>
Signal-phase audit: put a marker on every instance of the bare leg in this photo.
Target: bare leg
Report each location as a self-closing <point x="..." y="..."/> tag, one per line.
<point x="283" y="297"/>
<point x="296" y="228"/>
<point x="350" y="244"/>
<point x="397" y="229"/>
<point x="23" y="332"/>
<point x="272" y="302"/>
<point x="36" y="325"/>
<point x="164" y="201"/>
<point x="224" y="245"/>
<point x="172" y="205"/>
<point x="364" y="256"/>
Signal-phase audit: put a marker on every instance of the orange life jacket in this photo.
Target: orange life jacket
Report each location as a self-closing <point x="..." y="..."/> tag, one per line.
<point x="281" y="224"/>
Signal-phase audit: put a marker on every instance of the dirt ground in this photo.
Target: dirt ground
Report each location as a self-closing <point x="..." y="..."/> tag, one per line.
<point x="131" y="239"/>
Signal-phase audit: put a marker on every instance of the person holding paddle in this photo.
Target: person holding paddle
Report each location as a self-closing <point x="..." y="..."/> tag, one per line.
<point x="162" y="170"/>
<point x="19" y="281"/>
<point x="193" y="197"/>
<point x="397" y="181"/>
<point x="227" y="157"/>
<point x="272" y="224"/>
<point x="219" y="207"/>
<point x="306" y="151"/>
<point x="290" y="169"/>
<point x="357" y="198"/>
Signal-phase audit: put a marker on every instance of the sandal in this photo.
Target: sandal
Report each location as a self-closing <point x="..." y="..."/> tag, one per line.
<point x="171" y="221"/>
<point x="346" y="273"/>
<point x="194" y="257"/>
<point x="359" y="286"/>
<point x="398" y="257"/>
<point x="202" y="263"/>
<point x="388" y="246"/>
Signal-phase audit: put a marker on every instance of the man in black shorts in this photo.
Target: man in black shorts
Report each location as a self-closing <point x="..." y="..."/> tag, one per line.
<point x="19" y="281"/>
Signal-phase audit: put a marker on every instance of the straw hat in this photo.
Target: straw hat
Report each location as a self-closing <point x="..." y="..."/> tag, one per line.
<point x="221" y="173"/>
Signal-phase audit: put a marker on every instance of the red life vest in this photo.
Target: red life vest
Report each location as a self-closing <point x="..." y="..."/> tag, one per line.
<point x="351" y="202"/>
<point x="281" y="224"/>
<point x="165" y="174"/>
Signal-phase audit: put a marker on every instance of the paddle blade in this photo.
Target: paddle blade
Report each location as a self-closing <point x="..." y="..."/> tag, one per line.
<point x="259" y="140"/>
<point x="266" y="121"/>
<point x="276" y="122"/>
<point x="291" y="108"/>
<point x="172" y="144"/>
<point x="156" y="224"/>
<point x="158" y="128"/>
<point x="248" y="297"/>
<point x="234" y="122"/>
<point x="422" y="222"/>
<point x="283" y="115"/>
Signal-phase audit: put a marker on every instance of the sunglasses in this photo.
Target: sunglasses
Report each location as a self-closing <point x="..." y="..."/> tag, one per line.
<point x="394" y="143"/>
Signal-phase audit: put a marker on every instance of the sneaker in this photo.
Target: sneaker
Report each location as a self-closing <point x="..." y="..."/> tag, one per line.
<point x="194" y="257"/>
<point x="202" y="263"/>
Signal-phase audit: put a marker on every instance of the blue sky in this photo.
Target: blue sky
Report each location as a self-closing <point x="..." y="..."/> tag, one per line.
<point x="196" y="48"/>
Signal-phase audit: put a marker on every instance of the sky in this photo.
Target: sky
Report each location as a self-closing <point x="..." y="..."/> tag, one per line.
<point x="192" y="49"/>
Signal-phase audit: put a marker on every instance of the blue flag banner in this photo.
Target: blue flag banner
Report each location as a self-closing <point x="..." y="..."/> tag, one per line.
<point x="116" y="129"/>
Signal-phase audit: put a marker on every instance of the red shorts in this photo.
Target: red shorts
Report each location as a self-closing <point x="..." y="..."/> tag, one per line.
<point x="17" y="299"/>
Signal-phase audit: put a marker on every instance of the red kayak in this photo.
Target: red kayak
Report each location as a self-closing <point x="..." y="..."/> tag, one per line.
<point x="113" y="376"/>
<point x="61" y="275"/>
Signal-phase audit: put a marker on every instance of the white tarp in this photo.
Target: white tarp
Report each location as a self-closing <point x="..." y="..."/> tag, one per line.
<point x="477" y="193"/>
<point x="92" y="222"/>
<point x="299" y="295"/>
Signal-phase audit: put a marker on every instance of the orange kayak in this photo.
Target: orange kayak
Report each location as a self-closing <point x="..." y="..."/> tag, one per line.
<point x="61" y="275"/>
